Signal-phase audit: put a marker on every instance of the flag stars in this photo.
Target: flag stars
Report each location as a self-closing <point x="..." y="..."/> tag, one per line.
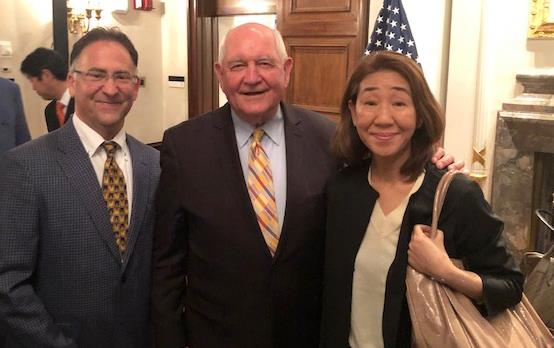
<point x="392" y="32"/>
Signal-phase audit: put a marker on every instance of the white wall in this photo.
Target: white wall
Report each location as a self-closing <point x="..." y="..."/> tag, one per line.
<point x="175" y="61"/>
<point x="504" y="51"/>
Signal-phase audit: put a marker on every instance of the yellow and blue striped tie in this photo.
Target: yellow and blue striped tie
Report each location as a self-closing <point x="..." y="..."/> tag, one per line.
<point x="262" y="194"/>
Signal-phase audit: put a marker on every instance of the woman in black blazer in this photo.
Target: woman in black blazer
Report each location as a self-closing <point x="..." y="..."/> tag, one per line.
<point x="380" y="205"/>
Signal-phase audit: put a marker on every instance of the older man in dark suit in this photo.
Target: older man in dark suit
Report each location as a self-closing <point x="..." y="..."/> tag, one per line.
<point x="239" y="240"/>
<point x="13" y="126"/>
<point x="238" y="246"/>
<point x="75" y="216"/>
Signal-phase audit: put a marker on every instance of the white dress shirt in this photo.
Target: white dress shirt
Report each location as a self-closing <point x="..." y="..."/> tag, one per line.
<point x="92" y="142"/>
<point x="66" y="97"/>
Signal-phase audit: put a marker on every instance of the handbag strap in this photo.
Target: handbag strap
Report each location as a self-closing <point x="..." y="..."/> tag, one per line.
<point x="440" y="195"/>
<point x="550" y="252"/>
<point x="542" y="215"/>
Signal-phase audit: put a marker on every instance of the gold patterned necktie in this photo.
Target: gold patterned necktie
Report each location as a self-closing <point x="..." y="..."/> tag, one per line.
<point x="262" y="194"/>
<point x="114" y="190"/>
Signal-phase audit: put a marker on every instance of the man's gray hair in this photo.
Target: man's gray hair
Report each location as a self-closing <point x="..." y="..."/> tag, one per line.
<point x="279" y="44"/>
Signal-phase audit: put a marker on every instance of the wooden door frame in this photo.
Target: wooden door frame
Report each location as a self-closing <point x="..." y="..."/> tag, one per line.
<point x="203" y="91"/>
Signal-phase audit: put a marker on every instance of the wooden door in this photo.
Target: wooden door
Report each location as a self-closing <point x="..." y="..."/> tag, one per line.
<point x="326" y="39"/>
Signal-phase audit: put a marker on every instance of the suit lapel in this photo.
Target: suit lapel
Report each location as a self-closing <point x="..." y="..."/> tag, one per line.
<point x="51" y="118"/>
<point x="296" y="183"/>
<point x="225" y="142"/>
<point x="141" y="193"/>
<point x="80" y="174"/>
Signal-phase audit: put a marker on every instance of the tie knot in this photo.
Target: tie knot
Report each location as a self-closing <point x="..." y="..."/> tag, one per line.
<point x="59" y="105"/>
<point x="258" y="134"/>
<point x="110" y="147"/>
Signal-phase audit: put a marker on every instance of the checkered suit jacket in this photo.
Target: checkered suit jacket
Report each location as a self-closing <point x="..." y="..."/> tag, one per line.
<point x="62" y="280"/>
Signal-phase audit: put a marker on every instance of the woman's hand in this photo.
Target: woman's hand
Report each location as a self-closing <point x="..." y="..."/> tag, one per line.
<point x="427" y="255"/>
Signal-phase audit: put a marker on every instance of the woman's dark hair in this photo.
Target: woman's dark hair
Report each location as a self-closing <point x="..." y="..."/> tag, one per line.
<point x="347" y="145"/>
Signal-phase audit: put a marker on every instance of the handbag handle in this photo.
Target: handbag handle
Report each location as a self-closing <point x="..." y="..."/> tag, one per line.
<point x="440" y="195"/>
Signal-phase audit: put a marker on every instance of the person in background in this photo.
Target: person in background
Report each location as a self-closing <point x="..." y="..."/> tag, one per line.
<point x="13" y="126"/>
<point x="238" y="250"/>
<point x="380" y="205"/>
<point x="47" y="72"/>
<point x="76" y="216"/>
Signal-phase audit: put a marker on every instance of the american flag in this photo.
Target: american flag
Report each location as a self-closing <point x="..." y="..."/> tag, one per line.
<point x="392" y="31"/>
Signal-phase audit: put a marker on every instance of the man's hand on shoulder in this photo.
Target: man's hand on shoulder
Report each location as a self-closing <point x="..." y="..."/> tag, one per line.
<point x="443" y="159"/>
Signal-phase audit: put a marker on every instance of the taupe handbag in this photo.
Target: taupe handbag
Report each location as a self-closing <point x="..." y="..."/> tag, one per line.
<point x="442" y="317"/>
<point x="539" y="287"/>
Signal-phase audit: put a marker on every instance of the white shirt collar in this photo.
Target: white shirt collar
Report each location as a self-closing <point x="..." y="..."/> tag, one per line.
<point x="243" y="129"/>
<point x="92" y="140"/>
<point x="65" y="98"/>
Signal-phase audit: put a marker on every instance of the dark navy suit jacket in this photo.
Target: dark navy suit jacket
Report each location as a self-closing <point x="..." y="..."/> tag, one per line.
<point x="215" y="283"/>
<point x="13" y="126"/>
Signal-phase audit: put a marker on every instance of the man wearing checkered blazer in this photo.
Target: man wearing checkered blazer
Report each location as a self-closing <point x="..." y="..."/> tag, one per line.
<point x="64" y="281"/>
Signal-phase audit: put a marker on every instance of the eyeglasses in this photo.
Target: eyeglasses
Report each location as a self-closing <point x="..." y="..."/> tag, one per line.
<point x="120" y="78"/>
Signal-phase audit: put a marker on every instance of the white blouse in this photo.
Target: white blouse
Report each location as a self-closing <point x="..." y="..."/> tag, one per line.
<point x="371" y="267"/>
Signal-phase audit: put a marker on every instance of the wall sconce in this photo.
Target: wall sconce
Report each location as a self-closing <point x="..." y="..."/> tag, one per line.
<point x="79" y="15"/>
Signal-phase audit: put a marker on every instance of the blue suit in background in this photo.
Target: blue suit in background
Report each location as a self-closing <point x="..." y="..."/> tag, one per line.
<point x="13" y="127"/>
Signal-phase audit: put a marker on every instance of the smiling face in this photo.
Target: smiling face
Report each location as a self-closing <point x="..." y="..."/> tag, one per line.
<point x="385" y="116"/>
<point x="251" y="74"/>
<point x="103" y="105"/>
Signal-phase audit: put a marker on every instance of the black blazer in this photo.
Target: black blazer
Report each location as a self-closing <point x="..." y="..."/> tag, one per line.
<point x="210" y="259"/>
<point x="52" y="122"/>
<point x="472" y="233"/>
